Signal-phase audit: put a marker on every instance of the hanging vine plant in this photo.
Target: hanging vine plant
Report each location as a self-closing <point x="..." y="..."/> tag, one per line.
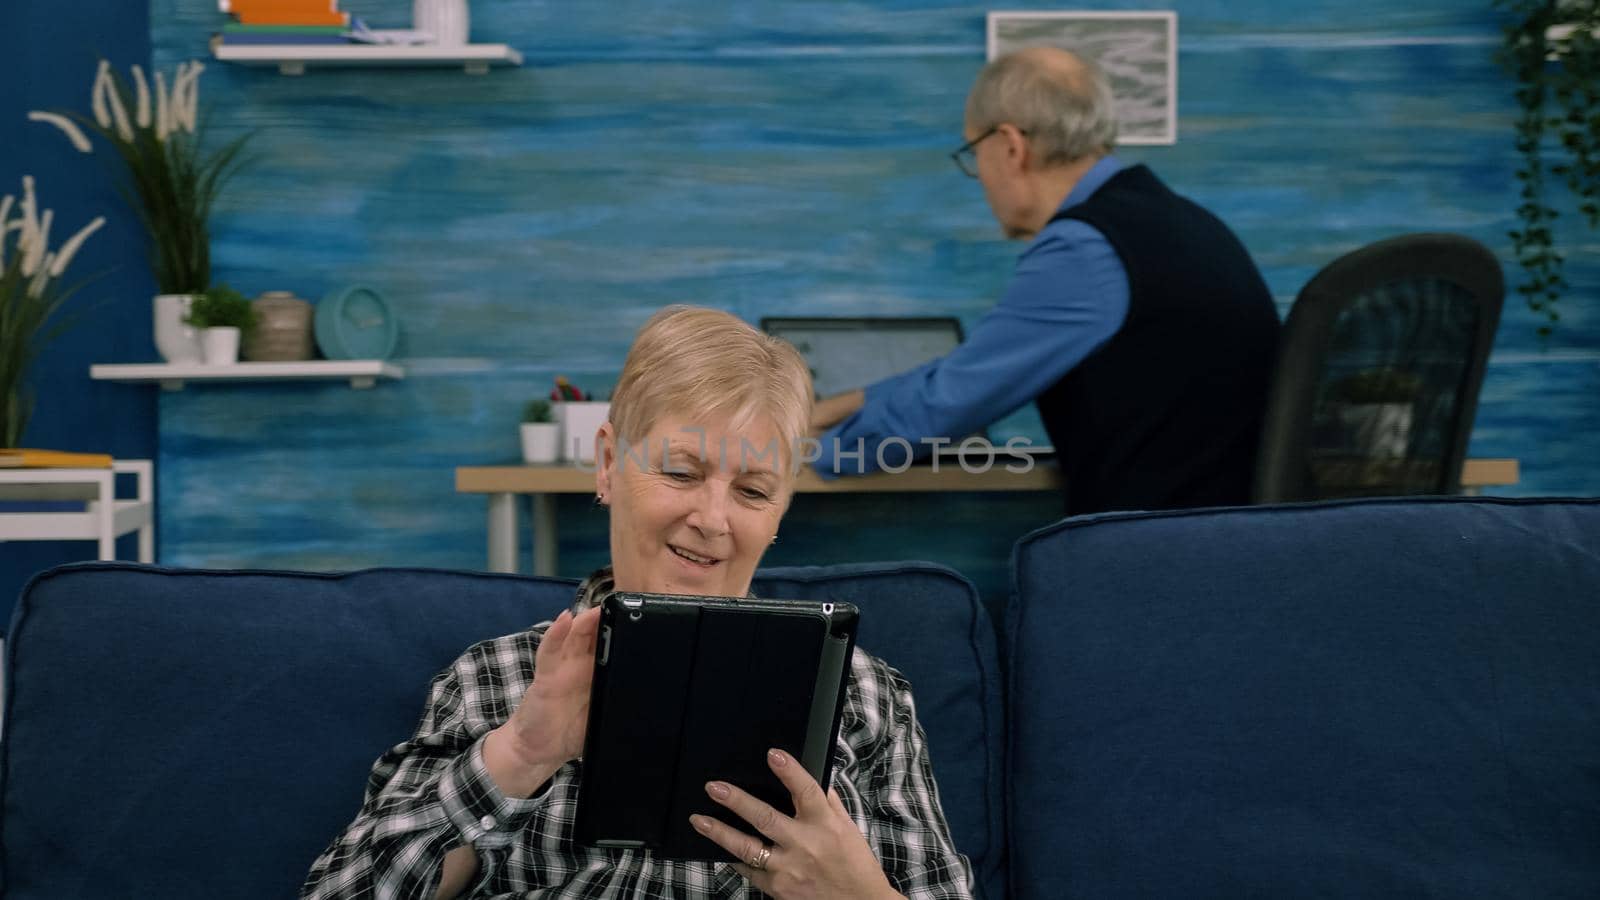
<point x="1551" y="49"/>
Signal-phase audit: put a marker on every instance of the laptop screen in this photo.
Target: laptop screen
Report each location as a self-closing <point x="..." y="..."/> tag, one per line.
<point x="851" y="352"/>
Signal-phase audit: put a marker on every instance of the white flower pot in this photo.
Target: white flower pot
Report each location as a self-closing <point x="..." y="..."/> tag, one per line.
<point x="580" y="421"/>
<point x="219" y="346"/>
<point x="177" y="342"/>
<point x="541" y="442"/>
<point x="447" y="20"/>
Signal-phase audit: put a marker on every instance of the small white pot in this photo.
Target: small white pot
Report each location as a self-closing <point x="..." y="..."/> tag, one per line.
<point x="448" y="21"/>
<point x="177" y="342"/>
<point x="580" y="422"/>
<point x="219" y="346"/>
<point x="541" y="442"/>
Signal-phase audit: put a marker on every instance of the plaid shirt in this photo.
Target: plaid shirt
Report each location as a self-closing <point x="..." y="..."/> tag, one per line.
<point x="432" y="793"/>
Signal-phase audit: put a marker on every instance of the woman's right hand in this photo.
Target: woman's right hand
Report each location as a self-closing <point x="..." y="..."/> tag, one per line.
<point x="547" y="728"/>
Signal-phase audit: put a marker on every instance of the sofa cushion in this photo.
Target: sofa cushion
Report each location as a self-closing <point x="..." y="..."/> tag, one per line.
<point x="179" y="733"/>
<point x="1379" y="698"/>
<point x="205" y="734"/>
<point x="928" y="622"/>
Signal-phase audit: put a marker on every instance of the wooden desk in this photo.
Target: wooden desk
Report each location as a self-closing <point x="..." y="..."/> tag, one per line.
<point x="542" y="483"/>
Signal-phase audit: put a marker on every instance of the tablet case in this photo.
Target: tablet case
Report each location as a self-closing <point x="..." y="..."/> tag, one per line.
<point x="694" y="689"/>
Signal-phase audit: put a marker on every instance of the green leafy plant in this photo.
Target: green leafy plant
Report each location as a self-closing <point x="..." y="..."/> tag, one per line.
<point x="1376" y="386"/>
<point x="537" y="411"/>
<point x="31" y="294"/>
<point x="222" y="307"/>
<point x="172" y="181"/>
<point x="1559" y="101"/>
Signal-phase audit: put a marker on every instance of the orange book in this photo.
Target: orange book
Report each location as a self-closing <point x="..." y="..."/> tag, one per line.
<point x="277" y="17"/>
<point x="52" y="459"/>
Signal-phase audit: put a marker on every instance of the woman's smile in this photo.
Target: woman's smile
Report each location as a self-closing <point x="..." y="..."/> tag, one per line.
<point x="698" y="560"/>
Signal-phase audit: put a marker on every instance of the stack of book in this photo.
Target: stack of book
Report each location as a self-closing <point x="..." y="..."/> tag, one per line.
<point x="296" y="22"/>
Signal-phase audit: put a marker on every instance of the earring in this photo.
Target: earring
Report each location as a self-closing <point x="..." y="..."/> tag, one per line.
<point x="599" y="500"/>
<point x="774" y="539"/>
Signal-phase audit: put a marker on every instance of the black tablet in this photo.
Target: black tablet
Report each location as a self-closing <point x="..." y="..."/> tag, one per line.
<point x="695" y="689"/>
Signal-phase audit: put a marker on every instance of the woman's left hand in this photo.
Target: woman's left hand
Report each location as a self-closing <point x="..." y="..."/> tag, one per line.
<point x="819" y="853"/>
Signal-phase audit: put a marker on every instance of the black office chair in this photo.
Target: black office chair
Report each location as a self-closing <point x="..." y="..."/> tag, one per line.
<point x="1378" y="372"/>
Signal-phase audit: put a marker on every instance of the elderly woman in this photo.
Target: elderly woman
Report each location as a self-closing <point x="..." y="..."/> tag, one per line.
<point x="696" y="467"/>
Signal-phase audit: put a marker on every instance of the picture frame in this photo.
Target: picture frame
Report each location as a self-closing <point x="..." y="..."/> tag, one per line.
<point x="1138" y="51"/>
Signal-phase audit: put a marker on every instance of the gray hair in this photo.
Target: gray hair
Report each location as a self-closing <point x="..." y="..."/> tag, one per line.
<point x="1062" y="100"/>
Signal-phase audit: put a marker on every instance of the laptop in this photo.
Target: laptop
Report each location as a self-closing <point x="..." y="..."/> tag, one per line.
<point x="854" y="351"/>
<point x="847" y="352"/>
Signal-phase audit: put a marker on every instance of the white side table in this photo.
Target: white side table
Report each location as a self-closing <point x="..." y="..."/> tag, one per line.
<point x="103" y="519"/>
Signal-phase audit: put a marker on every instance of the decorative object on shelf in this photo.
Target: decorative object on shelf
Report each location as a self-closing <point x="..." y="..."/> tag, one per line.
<point x="223" y="315"/>
<point x="1557" y="100"/>
<point x="172" y="182"/>
<point x="580" y="419"/>
<point x="541" y="437"/>
<point x="283" y="329"/>
<point x="176" y="340"/>
<point x="30" y="295"/>
<point x="448" y="21"/>
<point x="356" y="323"/>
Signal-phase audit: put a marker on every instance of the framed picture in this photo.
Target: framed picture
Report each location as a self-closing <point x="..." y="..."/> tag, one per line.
<point x="1137" y="50"/>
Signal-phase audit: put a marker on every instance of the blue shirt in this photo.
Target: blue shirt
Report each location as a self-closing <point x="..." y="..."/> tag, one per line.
<point x="1068" y="296"/>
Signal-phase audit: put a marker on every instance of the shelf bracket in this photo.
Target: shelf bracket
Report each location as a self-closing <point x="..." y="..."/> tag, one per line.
<point x="292" y="67"/>
<point x="477" y="67"/>
<point x="172" y="384"/>
<point x="363" y="382"/>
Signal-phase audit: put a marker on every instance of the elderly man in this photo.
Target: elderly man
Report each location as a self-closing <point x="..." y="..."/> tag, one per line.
<point x="1135" y="319"/>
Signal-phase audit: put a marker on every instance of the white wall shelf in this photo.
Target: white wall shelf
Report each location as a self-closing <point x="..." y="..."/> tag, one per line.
<point x="292" y="59"/>
<point x="361" y="373"/>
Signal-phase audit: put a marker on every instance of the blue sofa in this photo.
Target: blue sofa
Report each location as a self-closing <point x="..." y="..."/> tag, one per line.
<point x="174" y="733"/>
<point x="1377" y="698"/>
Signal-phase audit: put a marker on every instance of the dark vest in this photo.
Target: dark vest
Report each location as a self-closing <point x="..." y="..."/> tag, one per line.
<point x="1167" y="414"/>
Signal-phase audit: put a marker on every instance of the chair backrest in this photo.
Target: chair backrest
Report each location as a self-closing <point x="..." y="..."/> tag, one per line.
<point x="1361" y="698"/>
<point x="173" y="733"/>
<point x="1378" y="372"/>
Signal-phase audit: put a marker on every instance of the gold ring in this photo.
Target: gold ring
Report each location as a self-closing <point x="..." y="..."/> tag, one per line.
<point x="759" y="860"/>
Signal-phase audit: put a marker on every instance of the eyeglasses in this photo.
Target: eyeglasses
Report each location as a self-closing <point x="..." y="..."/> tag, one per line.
<point x="966" y="158"/>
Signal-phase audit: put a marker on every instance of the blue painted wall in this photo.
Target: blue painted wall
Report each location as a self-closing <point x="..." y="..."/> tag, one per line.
<point x="50" y="51"/>
<point x="769" y="158"/>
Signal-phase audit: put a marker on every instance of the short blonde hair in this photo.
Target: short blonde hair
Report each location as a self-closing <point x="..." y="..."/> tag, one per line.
<point x="704" y="365"/>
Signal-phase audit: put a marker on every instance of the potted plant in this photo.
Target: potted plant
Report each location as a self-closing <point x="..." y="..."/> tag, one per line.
<point x="172" y="181"/>
<point x="1552" y="49"/>
<point x="580" y="419"/>
<point x="1374" y="409"/>
<point x="223" y="317"/>
<point x="30" y="295"/>
<point x="541" y="437"/>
